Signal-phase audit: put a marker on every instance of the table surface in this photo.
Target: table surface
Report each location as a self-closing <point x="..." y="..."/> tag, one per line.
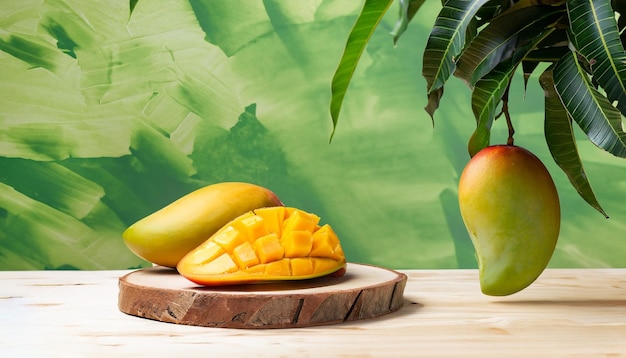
<point x="566" y="312"/>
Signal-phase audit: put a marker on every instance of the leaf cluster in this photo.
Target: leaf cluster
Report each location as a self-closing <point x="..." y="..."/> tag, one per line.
<point x="485" y="42"/>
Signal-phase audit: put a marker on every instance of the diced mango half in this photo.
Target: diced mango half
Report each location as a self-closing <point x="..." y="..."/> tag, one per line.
<point x="245" y="256"/>
<point x="300" y="220"/>
<point x="326" y="244"/>
<point x="229" y="238"/>
<point x="273" y="218"/>
<point x="252" y="226"/>
<point x="267" y="244"/>
<point x="268" y="248"/>
<point x="297" y="243"/>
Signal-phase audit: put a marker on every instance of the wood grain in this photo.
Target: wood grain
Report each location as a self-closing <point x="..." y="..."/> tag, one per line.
<point x="565" y="313"/>
<point x="162" y="294"/>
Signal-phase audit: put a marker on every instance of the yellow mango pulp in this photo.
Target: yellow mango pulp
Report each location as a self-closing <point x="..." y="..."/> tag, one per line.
<point x="266" y="244"/>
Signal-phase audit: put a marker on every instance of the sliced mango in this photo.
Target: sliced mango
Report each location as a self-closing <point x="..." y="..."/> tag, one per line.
<point x="266" y="244"/>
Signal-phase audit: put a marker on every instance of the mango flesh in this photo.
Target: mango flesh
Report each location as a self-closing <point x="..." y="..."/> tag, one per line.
<point x="267" y="244"/>
<point x="168" y="234"/>
<point x="511" y="210"/>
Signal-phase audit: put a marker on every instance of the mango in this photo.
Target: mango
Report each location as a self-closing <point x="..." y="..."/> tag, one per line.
<point x="510" y="207"/>
<point x="263" y="245"/>
<point x="168" y="234"/>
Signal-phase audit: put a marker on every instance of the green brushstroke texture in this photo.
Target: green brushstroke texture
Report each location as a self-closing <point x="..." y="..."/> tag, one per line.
<point x="109" y="112"/>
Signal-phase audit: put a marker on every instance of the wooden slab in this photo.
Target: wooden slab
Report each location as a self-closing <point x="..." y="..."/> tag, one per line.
<point x="162" y="294"/>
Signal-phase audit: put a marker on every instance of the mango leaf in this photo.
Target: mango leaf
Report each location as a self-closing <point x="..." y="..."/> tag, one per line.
<point x="408" y="9"/>
<point x="550" y="50"/>
<point x="502" y="38"/>
<point x="562" y="143"/>
<point x="528" y="67"/>
<point x="595" y="35"/>
<point x="445" y="43"/>
<point x="447" y="40"/>
<point x="490" y="89"/>
<point x="588" y="107"/>
<point x="483" y="16"/>
<point x="432" y="104"/>
<point x="492" y="9"/>
<point x="547" y="54"/>
<point x="367" y="21"/>
<point x="486" y="96"/>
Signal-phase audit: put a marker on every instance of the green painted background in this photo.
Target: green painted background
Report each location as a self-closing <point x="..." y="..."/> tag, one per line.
<point x="107" y="117"/>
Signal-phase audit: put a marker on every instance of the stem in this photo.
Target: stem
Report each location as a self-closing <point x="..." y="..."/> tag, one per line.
<point x="507" y="115"/>
<point x="505" y="110"/>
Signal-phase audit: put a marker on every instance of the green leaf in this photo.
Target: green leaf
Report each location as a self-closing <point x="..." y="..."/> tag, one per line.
<point x="447" y="40"/>
<point x="369" y="18"/>
<point x="547" y="54"/>
<point x="562" y="143"/>
<point x="486" y="96"/>
<point x="132" y="4"/>
<point x="588" y="107"/>
<point x="408" y="9"/>
<point x="595" y="35"/>
<point x="434" y="98"/>
<point x="503" y="37"/>
<point x="528" y="67"/>
<point x="490" y="88"/>
<point x="491" y="9"/>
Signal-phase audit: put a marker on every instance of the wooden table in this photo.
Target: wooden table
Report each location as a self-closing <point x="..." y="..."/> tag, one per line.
<point x="567" y="312"/>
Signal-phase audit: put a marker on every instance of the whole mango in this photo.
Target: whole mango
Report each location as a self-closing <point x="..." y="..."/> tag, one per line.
<point x="266" y="244"/>
<point x="165" y="236"/>
<point x="511" y="210"/>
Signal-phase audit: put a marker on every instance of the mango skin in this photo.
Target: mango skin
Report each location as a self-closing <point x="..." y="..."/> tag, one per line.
<point x="168" y="234"/>
<point x="510" y="207"/>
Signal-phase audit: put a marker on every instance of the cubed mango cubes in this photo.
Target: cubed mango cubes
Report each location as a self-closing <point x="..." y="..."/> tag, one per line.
<point x="266" y="244"/>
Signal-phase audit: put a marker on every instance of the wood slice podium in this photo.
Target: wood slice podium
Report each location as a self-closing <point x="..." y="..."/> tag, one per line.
<point x="161" y="294"/>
